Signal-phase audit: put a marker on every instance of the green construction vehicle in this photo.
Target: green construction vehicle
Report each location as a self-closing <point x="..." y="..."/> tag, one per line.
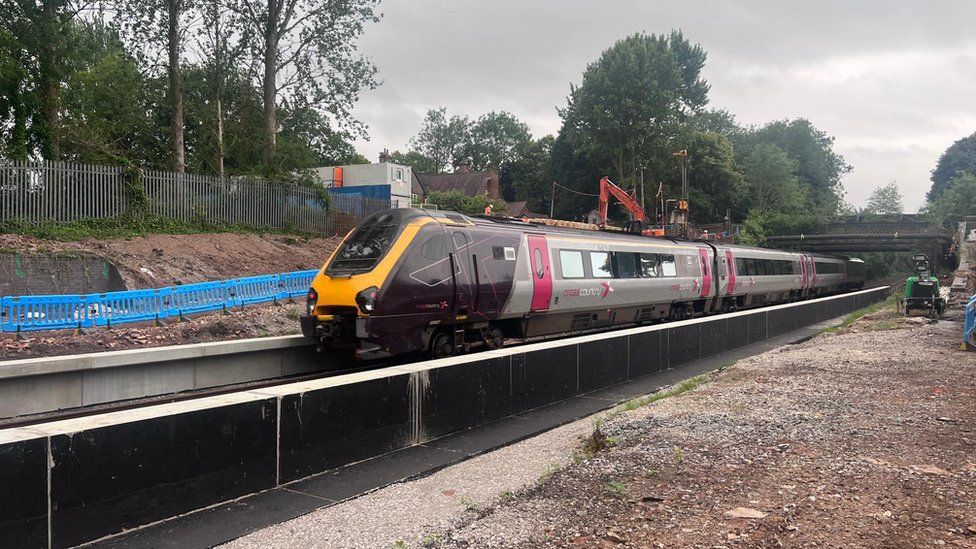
<point x="922" y="290"/>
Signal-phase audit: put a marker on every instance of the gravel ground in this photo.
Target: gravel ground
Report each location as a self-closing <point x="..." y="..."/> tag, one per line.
<point x="864" y="437"/>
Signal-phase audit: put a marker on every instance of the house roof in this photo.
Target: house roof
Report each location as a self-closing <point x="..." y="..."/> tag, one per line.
<point x="516" y="209"/>
<point x="469" y="183"/>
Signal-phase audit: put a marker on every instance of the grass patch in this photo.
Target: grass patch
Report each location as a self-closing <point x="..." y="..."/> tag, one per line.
<point x="689" y="384"/>
<point x="617" y="488"/>
<point x="552" y="469"/>
<point x="888" y="303"/>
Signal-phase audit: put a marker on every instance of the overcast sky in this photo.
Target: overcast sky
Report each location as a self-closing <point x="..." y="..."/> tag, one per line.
<point x="893" y="82"/>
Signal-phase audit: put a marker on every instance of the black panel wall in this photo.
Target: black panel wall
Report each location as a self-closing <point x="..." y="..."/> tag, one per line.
<point x="330" y="427"/>
<point x="112" y="478"/>
<point x="544" y="376"/>
<point x="23" y="493"/>
<point x="602" y="363"/>
<point x="465" y="395"/>
<point x="645" y="353"/>
<point x="684" y="344"/>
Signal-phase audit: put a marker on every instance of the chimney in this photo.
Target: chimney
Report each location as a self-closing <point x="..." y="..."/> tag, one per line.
<point x="385" y="156"/>
<point x="463" y="167"/>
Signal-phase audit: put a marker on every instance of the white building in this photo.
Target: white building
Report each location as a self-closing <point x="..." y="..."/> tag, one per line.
<point x="382" y="180"/>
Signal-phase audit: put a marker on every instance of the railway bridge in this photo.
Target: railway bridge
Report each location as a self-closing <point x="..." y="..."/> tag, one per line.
<point x="903" y="233"/>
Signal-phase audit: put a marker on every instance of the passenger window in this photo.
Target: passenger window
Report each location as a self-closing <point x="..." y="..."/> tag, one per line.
<point x="650" y="267"/>
<point x="435" y="247"/>
<point x="540" y="268"/>
<point x="626" y="264"/>
<point x="667" y="265"/>
<point x="600" y="261"/>
<point x="571" y="264"/>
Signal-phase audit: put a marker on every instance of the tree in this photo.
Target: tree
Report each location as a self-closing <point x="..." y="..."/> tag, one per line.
<point x="818" y="168"/>
<point x="959" y="158"/>
<point x="37" y="57"/>
<point x="713" y="176"/>
<point x="306" y="51"/>
<point x="632" y="102"/>
<point x="496" y="138"/>
<point x="417" y="161"/>
<point x="460" y="202"/>
<point x="885" y="200"/>
<point x="441" y="139"/>
<point x="147" y="26"/>
<point x="769" y="182"/>
<point x="530" y="177"/>
<point x="957" y="200"/>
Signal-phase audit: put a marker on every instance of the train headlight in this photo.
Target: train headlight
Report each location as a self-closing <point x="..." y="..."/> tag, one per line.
<point x="310" y="302"/>
<point x="366" y="299"/>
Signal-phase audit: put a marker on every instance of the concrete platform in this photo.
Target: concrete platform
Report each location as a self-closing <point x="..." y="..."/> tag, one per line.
<point x="37" y="385"/>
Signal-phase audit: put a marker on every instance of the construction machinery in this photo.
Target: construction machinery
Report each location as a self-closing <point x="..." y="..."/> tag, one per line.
<point x="922" y="290"/>
<point x="640" y="223"/>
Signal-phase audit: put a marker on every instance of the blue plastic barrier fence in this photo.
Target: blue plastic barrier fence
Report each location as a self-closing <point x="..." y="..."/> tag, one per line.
<point x="133" y="306"/>
<point x="198" y="298"/>
<point x="44" y="312"/>
<point x="294" y="284"/>
<point x="52" y="312"/>
<point x="969" y="329"/>
<point x="253" y="289"/>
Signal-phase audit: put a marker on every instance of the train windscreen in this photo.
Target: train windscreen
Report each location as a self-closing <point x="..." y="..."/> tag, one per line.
<point x="366" y="246"/>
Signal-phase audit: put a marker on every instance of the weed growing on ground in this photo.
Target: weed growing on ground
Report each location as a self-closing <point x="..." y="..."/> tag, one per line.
<point x="552" y="469"/>
<point x="507" y="495"/>
<point x="430" y="540"/>
<point x="650" y="473"/>
<point x="400" y="544"/>
<point x="679" y="455"/>
<point x="850" y="319"/>
<point x="467" y="503"/>
<point x="617" y="487"/>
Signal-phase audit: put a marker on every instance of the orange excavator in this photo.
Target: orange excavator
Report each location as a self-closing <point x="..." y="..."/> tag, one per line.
<point x="640" y="222"/>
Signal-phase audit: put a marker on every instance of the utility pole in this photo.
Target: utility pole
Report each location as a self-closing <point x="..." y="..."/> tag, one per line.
<point x="682" y="208"/>
<point x="642" y="188"/>
<point x="552" y="201"/>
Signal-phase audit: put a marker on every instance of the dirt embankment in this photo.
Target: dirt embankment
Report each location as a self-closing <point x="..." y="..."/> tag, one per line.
<point x="165" y="260"/>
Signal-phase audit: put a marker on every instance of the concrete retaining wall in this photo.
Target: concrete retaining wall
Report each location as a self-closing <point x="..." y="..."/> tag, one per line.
<point x="82" y="479"/>
<point x="37" y="274"/>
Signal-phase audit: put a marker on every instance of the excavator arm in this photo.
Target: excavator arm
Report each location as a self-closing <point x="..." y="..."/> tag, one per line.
<point x="607" y="188"/>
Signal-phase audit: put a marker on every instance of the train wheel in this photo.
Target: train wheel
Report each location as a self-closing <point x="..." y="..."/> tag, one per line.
<point x="442" y="345"/>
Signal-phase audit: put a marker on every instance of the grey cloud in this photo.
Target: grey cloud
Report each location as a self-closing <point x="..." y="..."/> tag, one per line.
<point x="890" y="80"/>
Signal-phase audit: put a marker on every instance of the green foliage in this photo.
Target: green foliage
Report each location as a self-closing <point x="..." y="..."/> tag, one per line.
<point x="956" y="201"/>
<point x="959" y="158"/>
<point x="713" y="176"/>
<point x="440" y="141"/>
<point x="460" y="202"/>
<point x="530" y="177"/>
<point x="496" y="138"/>
<point x="617" y="488"/>
<point x="885" y="200"/>
<point x="633" y="100"/>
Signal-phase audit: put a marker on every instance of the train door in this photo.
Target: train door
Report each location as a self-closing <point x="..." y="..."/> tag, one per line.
<point x="803" y="276"/>
<point x="463" y="271"/>
<point x="812" y="269"/>
<point x="706" y="270"/>
<point x="730" y="266"/>
<point x="541" y="273"/>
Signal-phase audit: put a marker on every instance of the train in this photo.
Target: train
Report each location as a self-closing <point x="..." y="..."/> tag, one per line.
<point x="441" y="283"/>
